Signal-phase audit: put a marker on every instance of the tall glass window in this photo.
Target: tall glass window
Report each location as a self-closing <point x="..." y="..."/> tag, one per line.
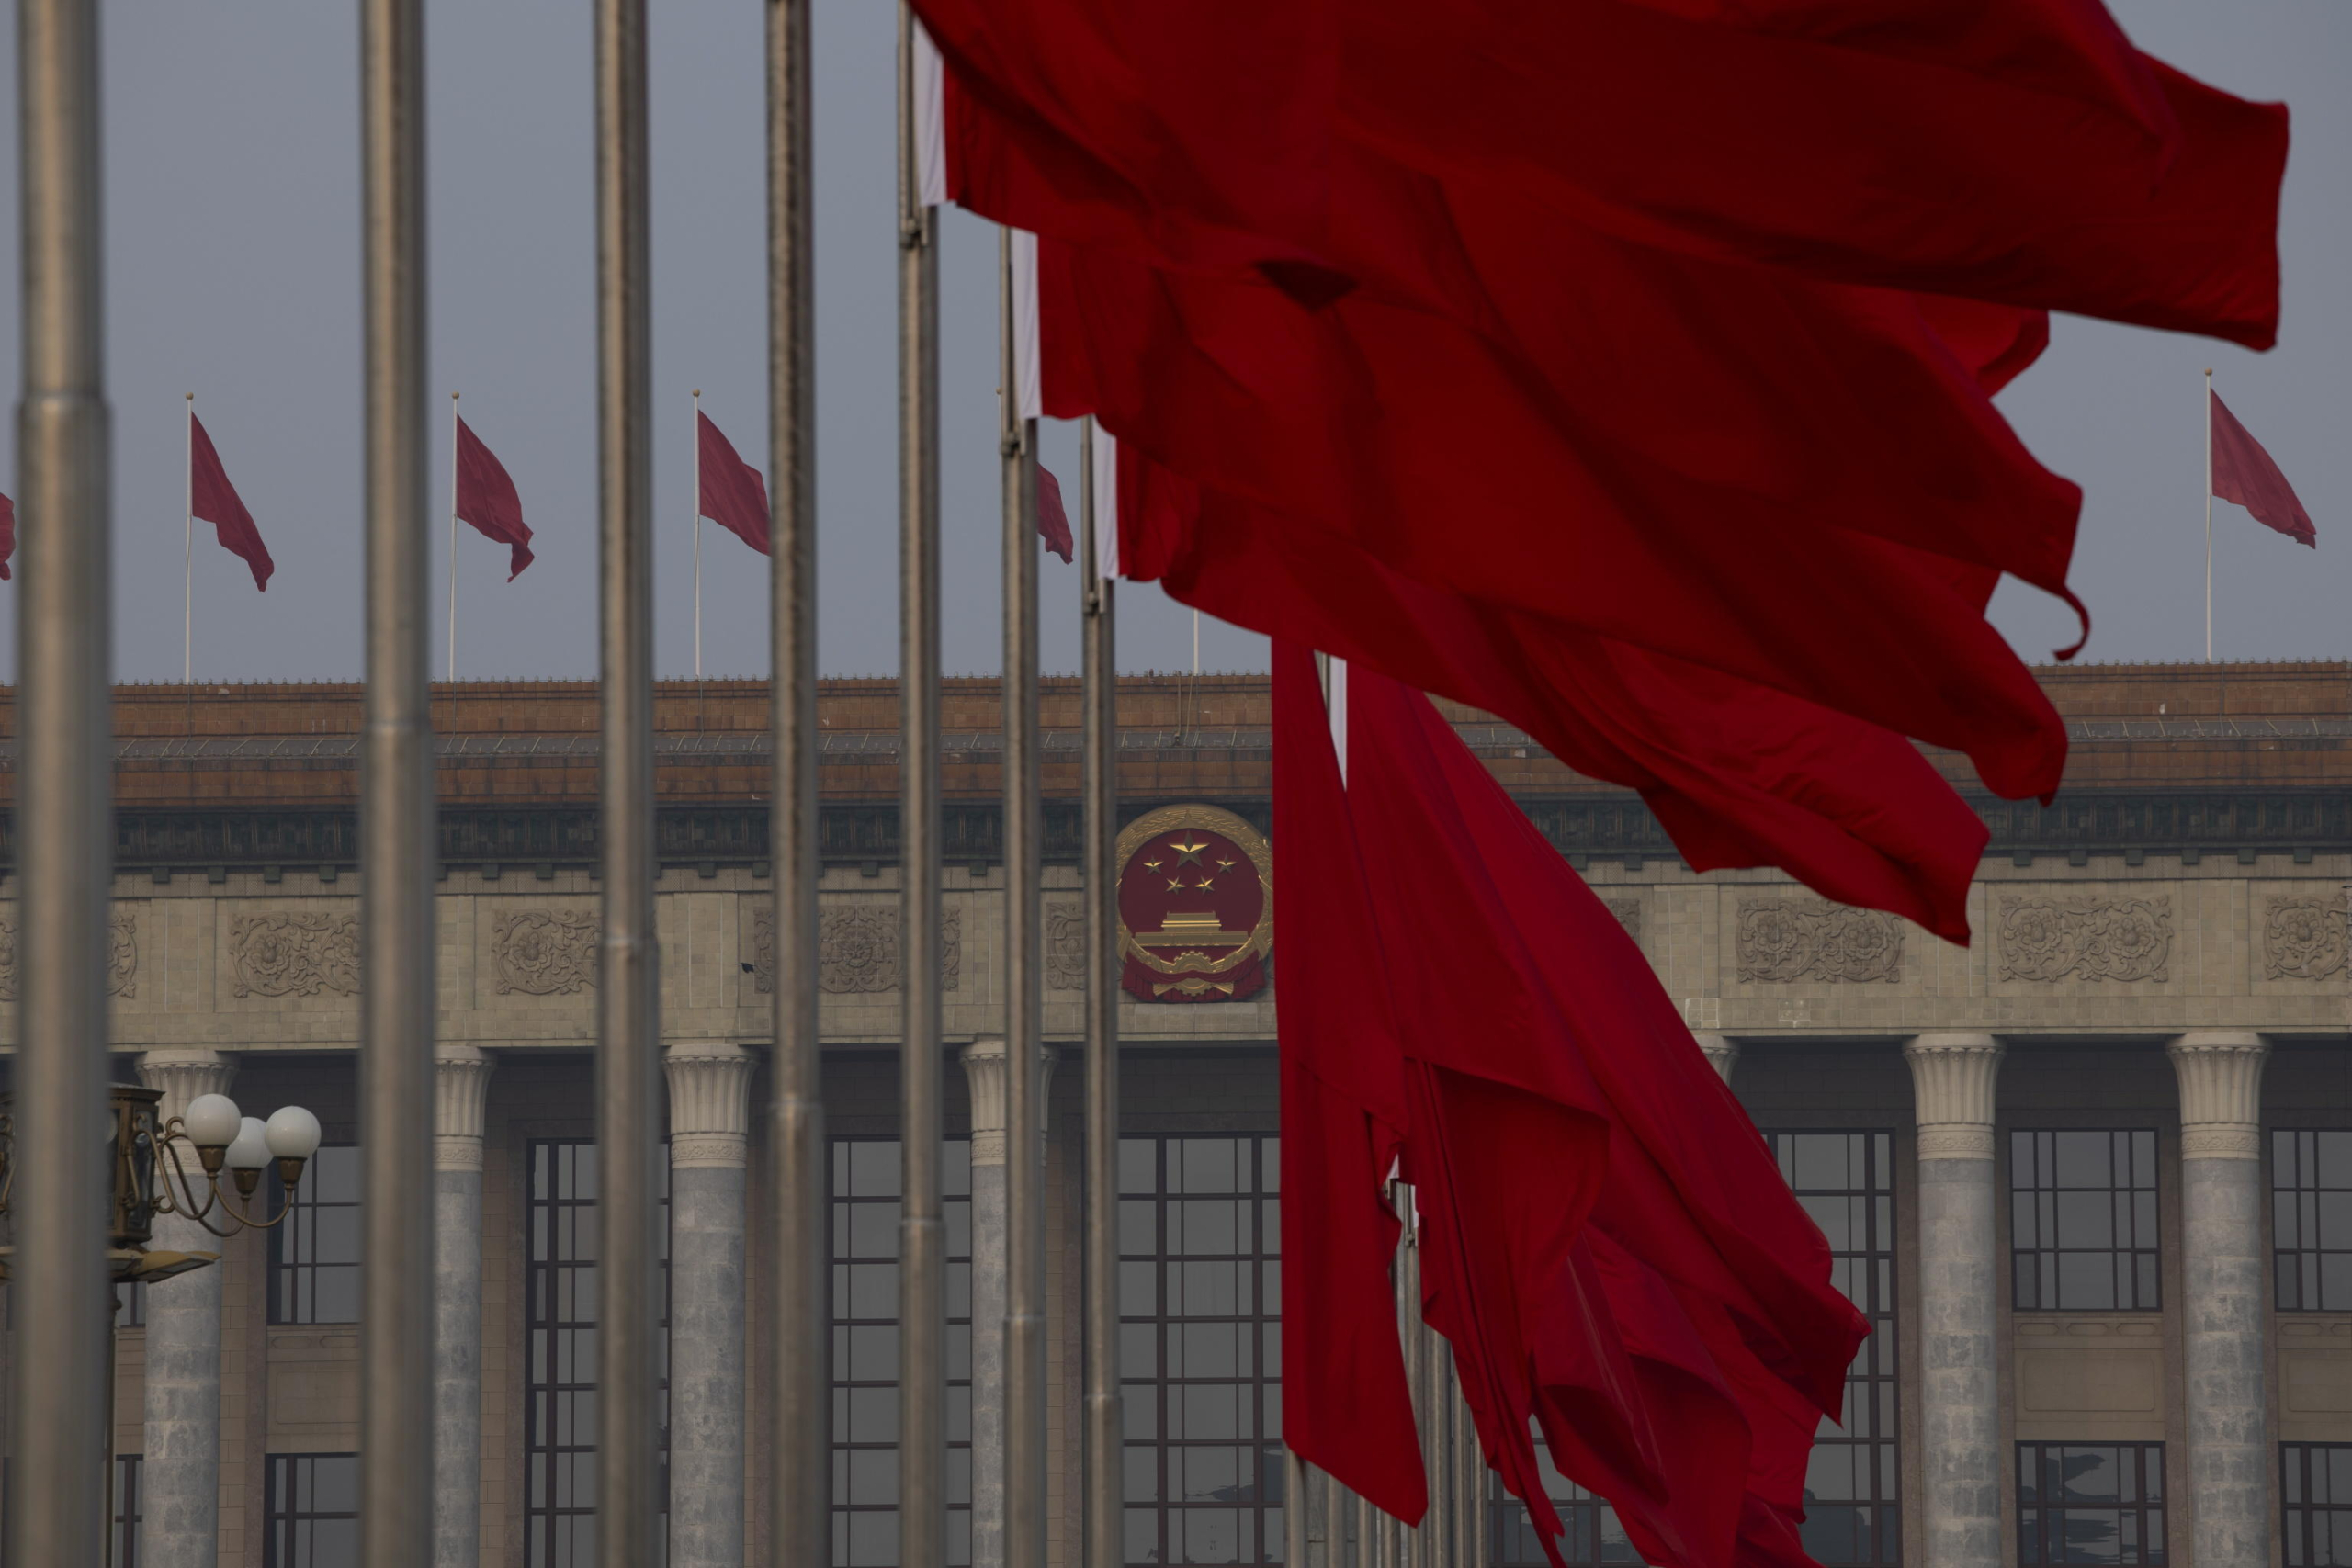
<point x="2082" y="1221"/>
<point x="559" y="1415"/>
<point x="2311" y="1196"/>
<point x="1199" y="1348"/>
<point x="1590" y="1536"/>
<point x="126" y="1511"/>
<point x="314" y="1253"/>
<point x="314" y="1511"/>
<point x="2100" y="1503"/>
<point x="865" y="1225"/>
<point x="1845" y="1181"/>
<point x="2315" y="1504"/>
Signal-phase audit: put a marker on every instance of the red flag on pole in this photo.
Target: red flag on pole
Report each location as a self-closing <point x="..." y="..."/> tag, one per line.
<point x="8" y="535"/>
<point x="211" y="497"/>
<point x="487" y="499"/>
<point x="2244" y="473"/>
<point x="733" y="495"/>
<point x="1052" y="521"/>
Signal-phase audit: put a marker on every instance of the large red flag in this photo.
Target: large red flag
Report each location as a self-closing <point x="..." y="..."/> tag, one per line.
<point x="7" y="535"/>
<point x="2244" y="473"/>
<point x="487" y="499"/>
<point x="211" y="497"/>
<point x="733" y="495"/>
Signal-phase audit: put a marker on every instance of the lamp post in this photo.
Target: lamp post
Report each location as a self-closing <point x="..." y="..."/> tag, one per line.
<point x="149" y="1165"/>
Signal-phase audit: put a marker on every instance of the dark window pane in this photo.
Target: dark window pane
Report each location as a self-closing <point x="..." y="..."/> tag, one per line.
<point x="2083" y="1205"/>
<point x="2089" y="1502"/>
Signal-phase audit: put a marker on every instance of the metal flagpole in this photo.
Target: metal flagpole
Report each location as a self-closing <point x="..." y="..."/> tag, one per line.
<point x="61" y="1300"/>
<point x="697" y="516"/>
<point x="398" y="843"/>
<point x="923" y="1236"/>
<point x="187" y="624"/>
<point x="453" y="536"/>
<point x="1471" y="1533"/>
<point x="1099" y="782"/>
<point x="2209" y="514"/>
<point x="629" y="1062"/>
<point x="1024" y="1192"/>
<point x="801" y="1532"/>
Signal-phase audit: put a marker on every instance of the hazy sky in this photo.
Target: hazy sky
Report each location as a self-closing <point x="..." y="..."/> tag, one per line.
<point x="233" y="273"/>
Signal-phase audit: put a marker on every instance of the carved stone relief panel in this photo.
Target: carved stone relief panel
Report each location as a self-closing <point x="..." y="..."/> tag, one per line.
<point x="122" y="956"/>
<point x="854" y="946"/>
<point x="545" y="953"/>
<point x="294" y="955"/>
<point x="1065" y="947"/>
<point x="1629" y="915"/>
<point x="1784" y="941"/>
<point x="2085" y="937"/>
<point x="2303" y="939"/>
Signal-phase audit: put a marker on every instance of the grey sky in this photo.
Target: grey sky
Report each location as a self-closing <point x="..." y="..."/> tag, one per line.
<point x="233" y="273"/>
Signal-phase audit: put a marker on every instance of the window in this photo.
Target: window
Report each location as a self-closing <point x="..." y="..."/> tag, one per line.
<point x="2311" y="1194"/>
<point x="126" y="1511"/>
<point x="864" y="1231"/>
<point x="313" y="1512"/>
<point x="2082" y="1221"/>
<point x="1845" y="1181"/>
<point x="130" y="1304"/>
<point x="559" y="1415"/>
<point x="314" y="1252"/>
<point x="2315" y="1497"/>
<point x="1199" y="1348"/>
<point x="2100" y="1503"/>
<point x="1590" y="1533"/>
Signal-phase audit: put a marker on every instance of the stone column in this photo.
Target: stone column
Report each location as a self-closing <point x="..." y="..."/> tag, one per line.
<point x="710" y="1118"/>
<point x="179" y="1479"/>
<point x="984" y="1072"/>
<point x="1722" y="1053"/>
<point x="460" y="1094"/>
<point x="1960" y="1424"/>
<point x="2221" y="1266"/>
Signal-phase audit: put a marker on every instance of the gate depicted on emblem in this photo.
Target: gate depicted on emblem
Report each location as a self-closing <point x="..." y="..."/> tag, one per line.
<point x="1196" y="906"/>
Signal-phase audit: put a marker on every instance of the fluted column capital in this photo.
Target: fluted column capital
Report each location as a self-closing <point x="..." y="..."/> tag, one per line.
<point x="2221" y="1092"/>
<point x="1951" y="1090"/>
<point x="460" y="1103"/>
<point x="984" y="1072"/>
<point x="710" y="1104"/>
<point x="182" y="1073"/>
<point x="1722" y="1053"/>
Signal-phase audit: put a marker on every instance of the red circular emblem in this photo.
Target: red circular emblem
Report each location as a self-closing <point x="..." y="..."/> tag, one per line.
<point x="1196" y="906"/>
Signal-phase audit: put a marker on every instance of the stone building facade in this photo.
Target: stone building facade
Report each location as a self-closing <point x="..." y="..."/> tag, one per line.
<point x="2091" y="1177"/>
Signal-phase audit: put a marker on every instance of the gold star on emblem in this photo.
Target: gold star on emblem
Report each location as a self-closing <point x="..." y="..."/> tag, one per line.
<point x="1175" y="884"/>
<point x="1225" y="866"/>
<point x="1153" y="864"/>
<point x="1204" y="883"/>
<point x="1191" y="852"/>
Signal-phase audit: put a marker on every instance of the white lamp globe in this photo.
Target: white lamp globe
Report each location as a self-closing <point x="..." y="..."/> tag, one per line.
<point x="251" y="1149"/>
<point x="212" y="1121"/>
<point x="292" y="1132"/>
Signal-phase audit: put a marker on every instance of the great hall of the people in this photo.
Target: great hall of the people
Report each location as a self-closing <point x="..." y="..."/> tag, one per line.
<point x="2137" y="1074"/>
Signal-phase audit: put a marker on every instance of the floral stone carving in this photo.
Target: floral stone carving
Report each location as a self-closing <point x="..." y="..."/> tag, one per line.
<point x="122" y="957"/>
<point x="2303" y="939"/>
<point x="2086" y="937"/>
<point x="1065" y="947"/>
<point x="1782" y="940"/>
<point x="545" y="953"/>
<point x="857" y="950"/>
<point x="951" y="952"/>
<point x="294" y="955"/>
<point x="1629" y="915"/>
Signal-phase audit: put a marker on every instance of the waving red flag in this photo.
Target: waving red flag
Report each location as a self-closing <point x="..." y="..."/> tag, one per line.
<point x="2244" y="473"/>
<point x="733" y="495"/>
<point x="211" y="497"/>
<point x="7" y="535"/>
<point x="487" y="499"/>
<point x="1053" y="520"/>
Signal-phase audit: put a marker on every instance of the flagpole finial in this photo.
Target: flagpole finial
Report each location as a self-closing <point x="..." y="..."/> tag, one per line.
<point x="697" y="391"/>
<point x="191" y="396"/>
<point x="453" y="397"/>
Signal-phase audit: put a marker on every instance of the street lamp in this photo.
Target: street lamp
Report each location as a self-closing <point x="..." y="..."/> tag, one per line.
<point x="148" y="1162"/>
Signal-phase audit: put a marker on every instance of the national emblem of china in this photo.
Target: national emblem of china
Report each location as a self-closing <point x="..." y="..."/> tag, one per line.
<point x="1196" y="906"/>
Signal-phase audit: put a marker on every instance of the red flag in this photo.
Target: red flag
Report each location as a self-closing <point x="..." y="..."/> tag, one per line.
<point x="2243" y="473"/>
<point x="1052" y="521"/>
<point x="211" y="497"/>
<point x="7" y="535"/>
<point x="733" y="496"/>
<point x="487" y="499"/>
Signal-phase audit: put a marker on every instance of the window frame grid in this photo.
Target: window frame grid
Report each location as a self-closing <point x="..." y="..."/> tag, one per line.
<point x="1590" y="1536"/>
<point x="2037" y="1250"/>
<point x="278" y="1518"/>
<point x="125" y="1512"/>
<point x="839" y="1231"/>
<point x="2035" y="1516"/>
<point x="2300" y="1509"/>
<point x="293" y="1289"/>
<point x="1872" y="1413"/>
<point x="1257" y="1500"/>
<point x="2299" y="1222"/>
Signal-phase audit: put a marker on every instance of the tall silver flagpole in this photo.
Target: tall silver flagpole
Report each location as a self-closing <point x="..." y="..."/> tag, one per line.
<point x="697" y="517"/>
<point x="188" y="545"/>
<point x="801" y="1487"/>
<point x="628" y="1060"/>
<point x="2209" y="514"/>
<point x="923" y="1237"/>
<point x="1099" y="782"/>
<point x="64" y="1304"/>
<point x="1024" y="1188"/>
<point x="453" y="536"/>
<point x="397" y="847"/>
